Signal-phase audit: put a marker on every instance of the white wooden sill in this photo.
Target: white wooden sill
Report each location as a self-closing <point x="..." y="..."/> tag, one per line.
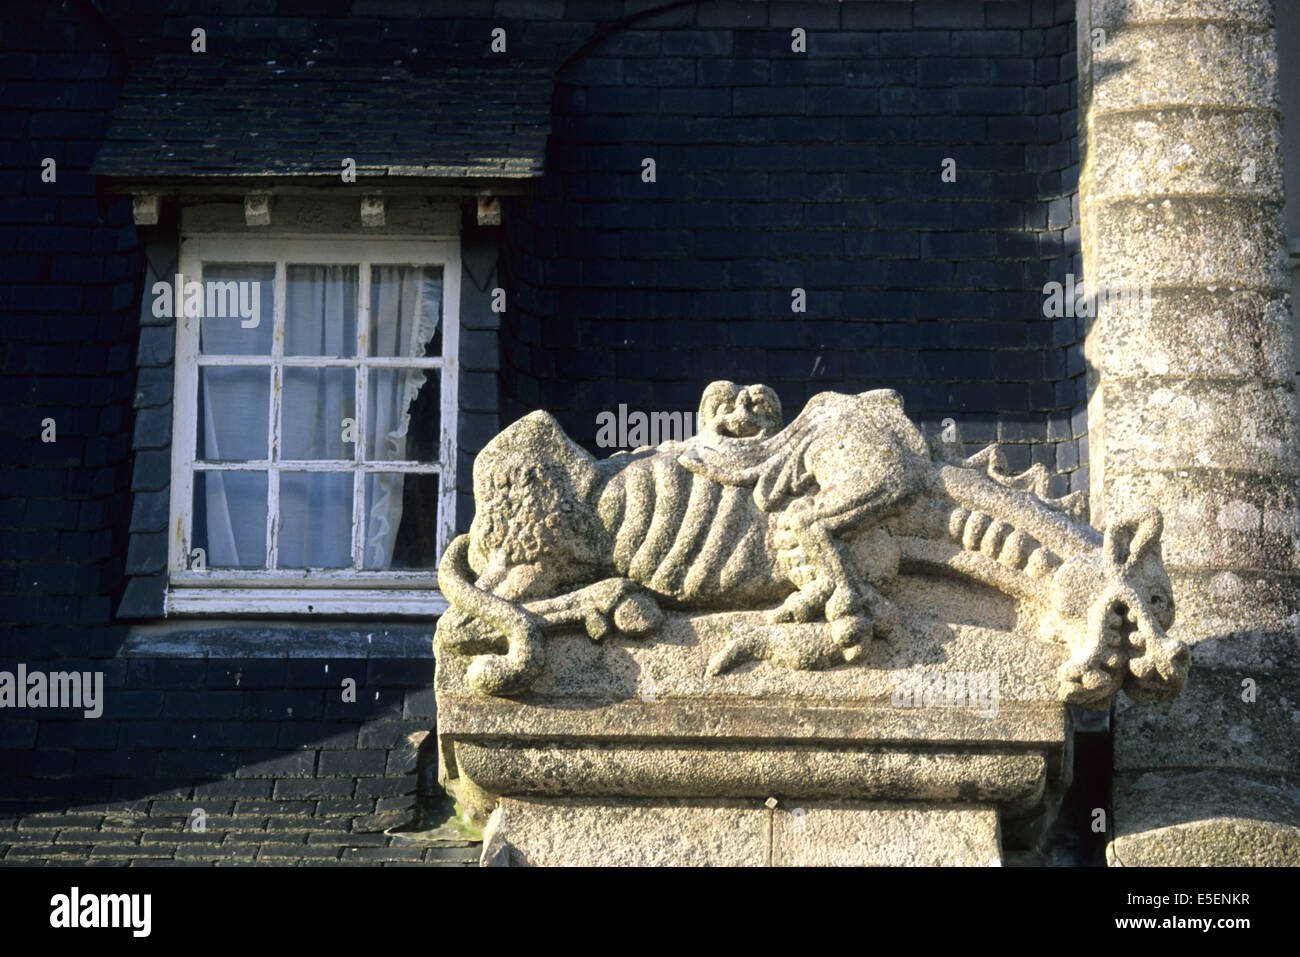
<point x="217" y="599"/>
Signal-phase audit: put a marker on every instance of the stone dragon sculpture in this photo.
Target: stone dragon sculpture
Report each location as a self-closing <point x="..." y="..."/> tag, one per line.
<point x="808" y="521"/>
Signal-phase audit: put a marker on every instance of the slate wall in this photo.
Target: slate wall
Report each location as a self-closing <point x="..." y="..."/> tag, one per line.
<point x="263" y="742"/>
<point x="67" y="289"/>
<point x="822" y="171"/>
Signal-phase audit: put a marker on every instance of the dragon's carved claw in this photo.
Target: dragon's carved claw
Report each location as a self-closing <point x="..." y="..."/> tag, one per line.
<point x="806" y="604"/>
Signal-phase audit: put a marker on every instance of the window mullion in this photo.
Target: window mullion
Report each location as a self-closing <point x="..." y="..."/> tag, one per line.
<point x="185" y="422"/>
<point x="277" y="373"/>
<point x="448" y="380"/>
<point x="363" y="386"/>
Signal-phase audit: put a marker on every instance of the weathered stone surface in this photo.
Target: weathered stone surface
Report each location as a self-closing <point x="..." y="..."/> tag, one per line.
<point x="1220" y="520"/>
<point x="794" y="721"/>
<point x="897" y="835"/>
<point x="1168" y="425"/>
<point x="1212" y="725"/>
<point x="1227" y="841"/>
<point x="1216" y="333"/>
<point x="1205" y="818"/>
<point x="627" y="833"/>
<point x="1239" y="617"/>
<point x="1194" y="151"/>
<point x="1110" y="12"/>
<point x="1202" y="240"/>
<point x="1014" y="780"/>
<point x="1192" y="64"/>
<point x="666" y="728"/>
<point x="605" y="832"/>
<point x="672" y="667"/>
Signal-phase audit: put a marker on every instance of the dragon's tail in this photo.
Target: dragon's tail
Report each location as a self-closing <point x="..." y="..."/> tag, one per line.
<point x="524" y="657"/>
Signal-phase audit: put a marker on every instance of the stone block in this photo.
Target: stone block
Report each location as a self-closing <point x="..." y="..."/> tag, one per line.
<point x="1211" y="725"/>
<point x="1205" y="241"/>
<point x="1115" y="12"/>
<point x="1238" y="618"/>
<point x="1220" y="334"/>
<point x="1205" y="818"/>
<point x="645" y="833"/>
<point x="1168" y="425"/>
<point x="1197" y="64"/>
<point x="1218" y="520"/>
<point x="894" y="835"/>
<point x="1187" y="151"/>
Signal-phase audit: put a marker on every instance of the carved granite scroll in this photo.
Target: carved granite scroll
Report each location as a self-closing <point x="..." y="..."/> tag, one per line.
<point x="810" y="523"/>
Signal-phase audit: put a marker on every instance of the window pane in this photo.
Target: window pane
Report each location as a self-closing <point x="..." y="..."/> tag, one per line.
<point x="405" y="311"/>
<point x="230" y="518"/>
<point x="312" y="409"/>
<point x="235" y="293"/>
<point x="234" y="406"/>
<point x="402" y="415"/>
<point x="400" y="529"/>
<point x="320" y="311"/>
<point x="315" y="520"/>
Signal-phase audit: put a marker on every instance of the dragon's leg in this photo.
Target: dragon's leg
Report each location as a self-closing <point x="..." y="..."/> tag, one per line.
<point x="853" y="607"/>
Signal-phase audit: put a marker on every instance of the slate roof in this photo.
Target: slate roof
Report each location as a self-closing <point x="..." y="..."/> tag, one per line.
<point x="197" y="116"/>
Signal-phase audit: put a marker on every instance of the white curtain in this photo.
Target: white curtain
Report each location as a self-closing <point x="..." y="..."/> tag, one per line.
<point x="406" y="307"/>
<point x="316" y="507"/>
<point x="320" y="319"/>
<point x="235" y="409"/>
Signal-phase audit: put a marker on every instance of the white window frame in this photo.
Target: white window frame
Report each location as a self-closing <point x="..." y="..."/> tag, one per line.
<point x="308" y="591"/>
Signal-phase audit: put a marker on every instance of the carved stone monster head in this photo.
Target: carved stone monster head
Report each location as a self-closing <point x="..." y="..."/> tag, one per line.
<point x="1114" y="606"/>
<point x="533" y="489"/>
<point x="739" y="412"/>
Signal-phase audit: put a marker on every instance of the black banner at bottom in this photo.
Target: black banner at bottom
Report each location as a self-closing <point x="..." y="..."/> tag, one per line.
<point x="388" y="907"/>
